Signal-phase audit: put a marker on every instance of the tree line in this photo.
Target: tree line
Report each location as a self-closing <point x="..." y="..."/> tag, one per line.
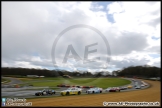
<point x="6" y="71"/>
<point x="139" y="71"/>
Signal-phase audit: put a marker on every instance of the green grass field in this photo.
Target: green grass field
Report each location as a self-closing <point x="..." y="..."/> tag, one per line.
<point x="99" y="82"/>
<point x="4" y="80"/>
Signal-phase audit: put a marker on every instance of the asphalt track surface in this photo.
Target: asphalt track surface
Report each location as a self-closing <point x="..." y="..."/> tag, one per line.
<point x="29" y="92"/>
<point x="13" y="81"/>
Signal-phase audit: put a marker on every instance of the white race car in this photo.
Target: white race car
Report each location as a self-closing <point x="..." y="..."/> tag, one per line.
<point x="94" y="90"/>
<point x="142" y="85"/>
<point x="138" y="87"/>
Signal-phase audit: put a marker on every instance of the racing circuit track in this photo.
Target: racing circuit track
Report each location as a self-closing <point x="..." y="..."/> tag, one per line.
<point x="151" y="94"/>
<point x="27" y="92"/>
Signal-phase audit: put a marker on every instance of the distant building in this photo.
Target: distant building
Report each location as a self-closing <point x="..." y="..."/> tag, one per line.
<point x="32" y="76"/>
<point x="67" y="76"/>
<point x="155" y="78"/>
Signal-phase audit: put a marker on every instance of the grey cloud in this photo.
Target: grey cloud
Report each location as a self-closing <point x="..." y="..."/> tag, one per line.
<point x="130" y="62"/>
<point x="127" y="42"/>
<point x="154" y="22"/>
<point x="32" y="27"/>
<point x="154" y="49"/>
<point x="156" y="12"/>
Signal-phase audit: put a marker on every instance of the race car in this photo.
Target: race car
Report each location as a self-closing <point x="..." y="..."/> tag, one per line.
<point x="94" y="90"/>
<point x="129" y="86"/>
<point x="114" y="89"/>
<point x="142" y="85"/>
<point x="86" y="86"/>
<point x="123" y="88"/>
<point x="78" y="86"/>
<point x="45" y="92"/>
<point x="145" y="84"/>
<point x="107" y="90"/>
<point x="61" y="85"/>
<point x="67" y="85"/>
<point x="71" y="91"/>
<point x="136" y="84"/>
<point x="101" y="89"/>
<point x="138" y="87"/>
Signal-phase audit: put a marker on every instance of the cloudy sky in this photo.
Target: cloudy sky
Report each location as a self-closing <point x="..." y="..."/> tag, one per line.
<point x="66" y="34"/>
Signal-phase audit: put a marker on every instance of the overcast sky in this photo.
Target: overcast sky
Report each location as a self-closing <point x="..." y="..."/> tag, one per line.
<point x="29" y="31"/>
